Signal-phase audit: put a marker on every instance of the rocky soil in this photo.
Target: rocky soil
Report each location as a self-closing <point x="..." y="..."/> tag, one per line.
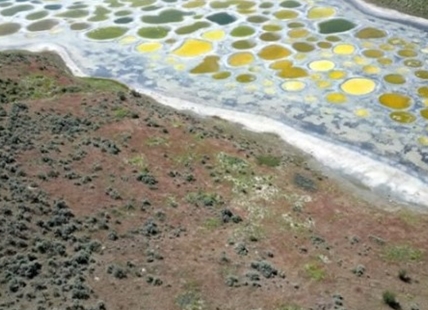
<point x="109" y="200"/>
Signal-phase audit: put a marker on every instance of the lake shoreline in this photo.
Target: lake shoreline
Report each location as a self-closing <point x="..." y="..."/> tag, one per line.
<point x="380" y="179"/>
<point x="415" y="8"/>
<point x="391" y="11"/>
<point x="390" y="182"/>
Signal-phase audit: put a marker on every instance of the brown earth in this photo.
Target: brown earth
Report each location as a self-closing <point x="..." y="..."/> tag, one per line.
<point x="177" y="212"/>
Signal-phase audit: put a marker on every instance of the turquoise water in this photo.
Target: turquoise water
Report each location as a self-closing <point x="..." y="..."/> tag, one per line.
<point x="322" y="67"/>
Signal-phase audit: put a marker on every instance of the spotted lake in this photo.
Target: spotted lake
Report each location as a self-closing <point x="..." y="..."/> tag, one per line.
<point x="322" y="67"/>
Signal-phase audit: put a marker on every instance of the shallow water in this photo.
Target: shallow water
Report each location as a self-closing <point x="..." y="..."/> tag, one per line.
<point x="322" y="67"/>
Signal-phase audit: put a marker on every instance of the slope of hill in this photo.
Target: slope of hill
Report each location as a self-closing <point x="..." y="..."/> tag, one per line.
<point x="109" y="200"/>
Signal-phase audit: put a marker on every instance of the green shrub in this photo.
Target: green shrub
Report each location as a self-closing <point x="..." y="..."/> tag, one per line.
<point x="157" y="141"/>
<point x="117" y="271"/>
<point x="205" y="199"/>
<point x="268" y="160"/>
<point x="403" y="276"/>
<point x="212" y="223"/>
<point x="315" y="271"/>
<point x="190" y="301"/>
<point x="139" y="162"/>
<point x="121" y="113"/>
<point x="304" y="182"/>
<point x="232" y="163"/>
<point x="402" y="253"/>
<point x="390" y="300"/>
<point x="147" y="178"/>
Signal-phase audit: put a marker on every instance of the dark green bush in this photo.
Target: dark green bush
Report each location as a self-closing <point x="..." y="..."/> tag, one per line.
<point x="147" y="179"/>
<point x="304" y="182"/>
<point x="390" y="300"/>
<point x="403" y="276"/>
<point x="266" y="269"/>
<point x="117" y="271"/>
